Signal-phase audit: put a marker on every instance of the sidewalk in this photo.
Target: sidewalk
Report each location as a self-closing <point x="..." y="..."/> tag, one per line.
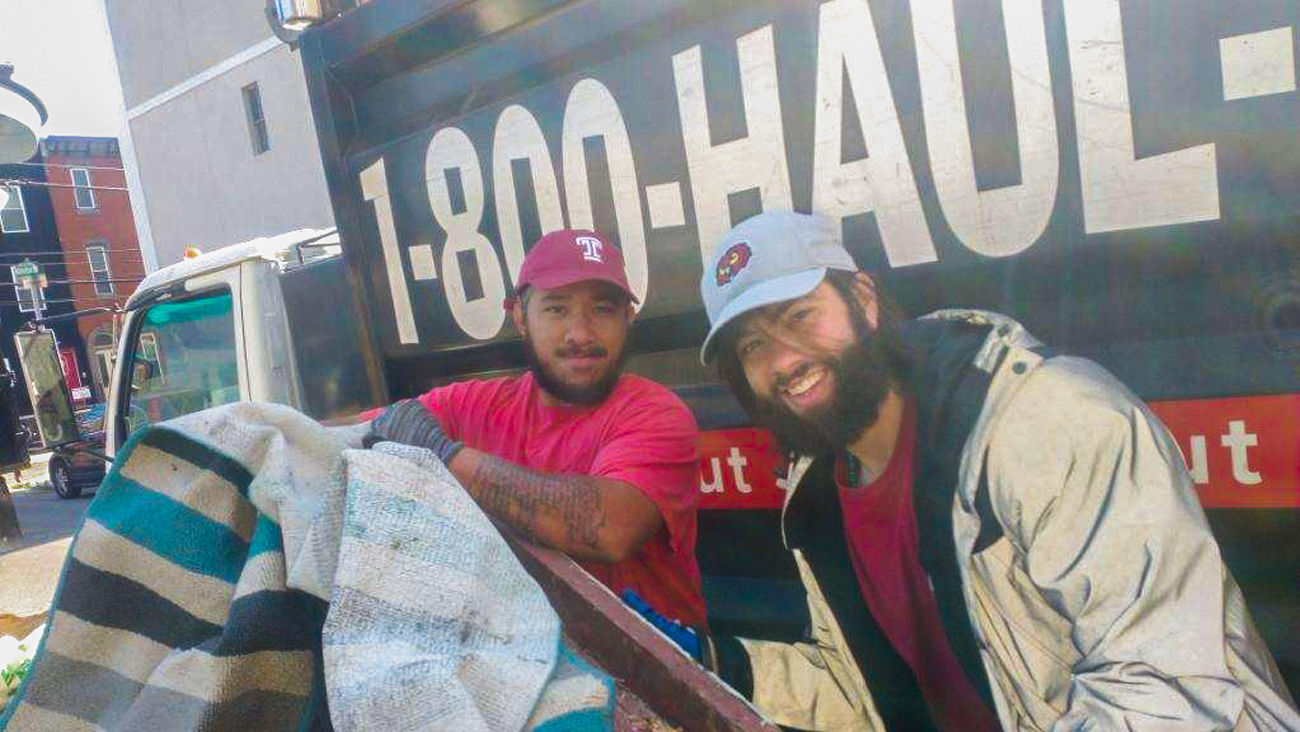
<point x="29" y="573"/>
<point x="29" y="576"/>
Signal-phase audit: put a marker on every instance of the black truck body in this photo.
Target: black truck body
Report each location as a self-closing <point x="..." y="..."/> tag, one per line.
<point x="1122" y="177"/>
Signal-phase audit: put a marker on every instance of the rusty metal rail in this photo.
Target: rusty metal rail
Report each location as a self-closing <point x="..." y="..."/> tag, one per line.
<point x="634" y="652"/>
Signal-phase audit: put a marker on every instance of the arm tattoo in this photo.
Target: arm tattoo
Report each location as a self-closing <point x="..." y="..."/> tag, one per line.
<point x="524" y="498"/>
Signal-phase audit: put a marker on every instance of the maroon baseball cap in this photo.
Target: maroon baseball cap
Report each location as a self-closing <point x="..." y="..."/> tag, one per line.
<point x="571" y="255"/>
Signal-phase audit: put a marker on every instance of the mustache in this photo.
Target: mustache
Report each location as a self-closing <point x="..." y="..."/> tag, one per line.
<point x="581" y="352"/>
<point x="785" y="380"/>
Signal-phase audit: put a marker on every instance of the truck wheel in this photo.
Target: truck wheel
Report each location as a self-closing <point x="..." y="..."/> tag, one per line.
<point x="61" y="479"/>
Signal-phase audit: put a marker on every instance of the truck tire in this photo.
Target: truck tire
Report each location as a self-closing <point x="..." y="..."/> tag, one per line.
<point x="61" y="479"/>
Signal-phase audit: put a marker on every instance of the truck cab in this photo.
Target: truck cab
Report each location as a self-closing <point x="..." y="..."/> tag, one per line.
<point x="229" y="326"/>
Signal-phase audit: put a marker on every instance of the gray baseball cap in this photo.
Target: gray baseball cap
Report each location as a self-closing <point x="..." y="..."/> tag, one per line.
<point x="770" y="258"/>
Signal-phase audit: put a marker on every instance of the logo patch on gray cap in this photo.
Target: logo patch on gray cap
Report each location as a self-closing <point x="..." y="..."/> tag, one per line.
<point x="733" y="260"/>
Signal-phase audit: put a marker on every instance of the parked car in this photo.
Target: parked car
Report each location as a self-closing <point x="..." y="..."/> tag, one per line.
<point x="74" y="467"/>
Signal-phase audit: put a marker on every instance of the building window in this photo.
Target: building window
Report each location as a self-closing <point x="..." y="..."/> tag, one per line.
<point x="30" y="299"/>
<point x="13" y="217"/>
<point x="256" y="119"/>
<point x="98" y="256"/>
<point x="85" y="195"/>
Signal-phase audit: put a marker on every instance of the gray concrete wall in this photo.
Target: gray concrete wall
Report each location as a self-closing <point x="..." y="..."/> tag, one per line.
<point x="161" y="43"/>
<point x="203" y="184"/>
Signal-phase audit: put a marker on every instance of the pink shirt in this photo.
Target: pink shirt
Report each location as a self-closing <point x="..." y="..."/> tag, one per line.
<point x="642" y="434"/>
<point x="880" y="524"/>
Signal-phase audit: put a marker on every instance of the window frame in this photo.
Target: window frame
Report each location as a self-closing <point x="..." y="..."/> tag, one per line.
<point x="79" y="188"/>
<point x="255" y="114"/>
<point x="123" y="377"/>
<point x="15" y="194"/>
<point x="107" y="281"/>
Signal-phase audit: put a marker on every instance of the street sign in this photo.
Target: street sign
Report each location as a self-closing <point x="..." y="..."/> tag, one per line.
<point x="27" y="270"/>
<point x="30" y="275"/>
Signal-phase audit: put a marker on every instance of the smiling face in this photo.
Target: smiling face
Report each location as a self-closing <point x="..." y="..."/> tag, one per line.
<point x="816" y="368"/>
<point x="574" y="337"/>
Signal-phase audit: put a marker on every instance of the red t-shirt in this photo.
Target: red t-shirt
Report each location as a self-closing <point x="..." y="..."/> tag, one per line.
<point x="880" y="524"/>
<point x="642" y="435"/>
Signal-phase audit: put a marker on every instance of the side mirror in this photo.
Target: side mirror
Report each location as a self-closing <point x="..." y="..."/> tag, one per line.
<point x="38" y="354"/>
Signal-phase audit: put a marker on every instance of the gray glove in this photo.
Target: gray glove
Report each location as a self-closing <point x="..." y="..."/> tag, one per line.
<point x="410" y="423"/>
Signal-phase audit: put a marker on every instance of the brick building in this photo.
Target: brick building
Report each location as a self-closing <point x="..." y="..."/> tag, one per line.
<point x="28" y="233"/>
<point x="101" y="255"/>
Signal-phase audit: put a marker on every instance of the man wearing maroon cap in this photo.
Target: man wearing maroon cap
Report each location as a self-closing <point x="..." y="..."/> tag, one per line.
<point x="575" y="454"/>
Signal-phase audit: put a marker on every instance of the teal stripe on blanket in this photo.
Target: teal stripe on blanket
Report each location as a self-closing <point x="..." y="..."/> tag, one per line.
<point x="583" y="711"/>
<point x="587" y="720"/>
<point x="169" y="529"/>
<point x="199" y="455"/>
<point x="266" y="537"/>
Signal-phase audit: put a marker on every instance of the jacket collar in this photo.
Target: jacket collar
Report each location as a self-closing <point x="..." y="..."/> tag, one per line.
<point x="950" y="390"/>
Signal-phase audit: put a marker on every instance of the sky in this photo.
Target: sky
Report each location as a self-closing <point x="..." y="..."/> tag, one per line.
<point x="61" y="50"/>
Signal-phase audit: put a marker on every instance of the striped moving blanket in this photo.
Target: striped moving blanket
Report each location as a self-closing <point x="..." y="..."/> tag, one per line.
<point x="244" y="568"/>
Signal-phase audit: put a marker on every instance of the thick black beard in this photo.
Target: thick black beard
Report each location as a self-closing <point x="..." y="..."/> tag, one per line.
<point x="863" y="378"/>
<point x="567" y="393"/>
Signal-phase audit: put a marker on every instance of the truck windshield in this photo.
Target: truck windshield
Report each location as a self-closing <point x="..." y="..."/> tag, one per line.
<point x="184" y="360"/>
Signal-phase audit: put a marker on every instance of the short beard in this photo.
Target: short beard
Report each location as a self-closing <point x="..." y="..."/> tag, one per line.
<point x="567" y="393"/>
<point x="864" y="375"/>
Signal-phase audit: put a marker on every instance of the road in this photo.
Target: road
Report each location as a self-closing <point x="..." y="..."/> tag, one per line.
<point x="30" y="572"/>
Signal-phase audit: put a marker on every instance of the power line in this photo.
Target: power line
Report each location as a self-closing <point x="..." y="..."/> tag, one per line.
<point x="25" y="182"/>
<point x="74" y="262"/>
<point x="61" y="252"/>
<point x="83" y="282"/>
<point x="62" y="165"/>
<point x="43" y="302"/>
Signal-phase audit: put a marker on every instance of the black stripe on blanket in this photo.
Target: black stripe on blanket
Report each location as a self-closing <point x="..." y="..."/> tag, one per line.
<point x="200" y="455"/>
<point x="271" y="621"/>
<point x="114" y="601"/>
<point x="110" y="700"/>
<point x="101" y="694"/>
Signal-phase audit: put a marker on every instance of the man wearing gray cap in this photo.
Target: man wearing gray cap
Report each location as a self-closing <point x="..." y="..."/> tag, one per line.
<point x="989" y="534"/>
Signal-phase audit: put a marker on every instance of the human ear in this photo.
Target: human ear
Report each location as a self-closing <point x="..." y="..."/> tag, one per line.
<point x="517" y="316"/>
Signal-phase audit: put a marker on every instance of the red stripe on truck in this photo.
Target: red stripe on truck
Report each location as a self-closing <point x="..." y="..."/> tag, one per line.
<point x="1242" y="452"/>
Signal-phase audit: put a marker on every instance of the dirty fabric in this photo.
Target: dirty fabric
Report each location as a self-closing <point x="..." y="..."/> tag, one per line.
<point x="245" y="568"/>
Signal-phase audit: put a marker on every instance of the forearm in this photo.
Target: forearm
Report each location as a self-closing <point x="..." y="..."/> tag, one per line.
<point x="570" y="513"/>
<point x="347" y="420"/>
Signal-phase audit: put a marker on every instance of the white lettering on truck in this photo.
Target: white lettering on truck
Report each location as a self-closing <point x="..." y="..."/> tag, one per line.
<point x="480" y="317"/>
<point x="374" y="188"/>
<point x="1237" y="439"/>
<point x="1118" y="190"/>
<point x="757" y="161"/>
<point x="518" y="137"/>
<point x="882" y="182"/>
<point x="592" y="112"/>
<point x="1008" y="220"/>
